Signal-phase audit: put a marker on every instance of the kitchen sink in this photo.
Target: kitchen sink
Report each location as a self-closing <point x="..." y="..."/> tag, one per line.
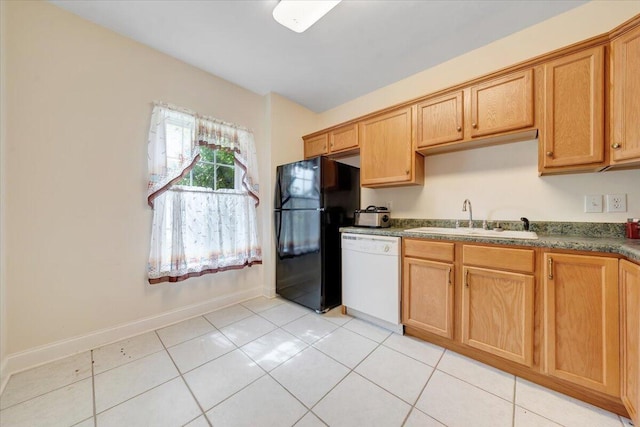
<point x="476" y="232"/>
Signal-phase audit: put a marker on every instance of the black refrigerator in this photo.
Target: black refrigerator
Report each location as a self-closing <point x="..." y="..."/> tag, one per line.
<point x="313" y="199"/>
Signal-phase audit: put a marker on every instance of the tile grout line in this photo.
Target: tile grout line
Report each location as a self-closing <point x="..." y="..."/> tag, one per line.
<point x="184" y="381"/>
<point x="93" y="392"/>
<point x="513" y="415"/>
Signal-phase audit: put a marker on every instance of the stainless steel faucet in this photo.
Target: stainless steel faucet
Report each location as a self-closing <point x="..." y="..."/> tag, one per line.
<point x="464" y="209"/>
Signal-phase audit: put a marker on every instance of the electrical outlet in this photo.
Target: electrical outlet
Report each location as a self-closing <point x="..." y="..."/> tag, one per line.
<point x="616" y="202"/>
<point x="593" y="203"/>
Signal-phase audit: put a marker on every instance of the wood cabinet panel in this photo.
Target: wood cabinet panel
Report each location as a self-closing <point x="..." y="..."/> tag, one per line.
<point x="440" y="119"/>
<point x="625" y="98"/>
<point x="630" y="337"/>
<point x="316" y="146"/>
<point x="343" y="138"/>
<point x="437" y="251"/>
<point x="502" y="104"/>
<point x="573" y="131"/>
<point x="581" y="320"/>
<point x="427" y="295"/>
<point x="387" y="155"/>
<point x="498" y="313"/>
<point x="522" y="260"/>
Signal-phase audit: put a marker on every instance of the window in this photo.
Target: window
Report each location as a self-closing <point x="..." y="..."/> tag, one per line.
<point x="215" y="170"/>
<point x="204" y="207"/>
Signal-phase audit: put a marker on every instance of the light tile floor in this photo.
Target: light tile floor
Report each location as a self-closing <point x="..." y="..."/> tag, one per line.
<point x="268" y="362"/>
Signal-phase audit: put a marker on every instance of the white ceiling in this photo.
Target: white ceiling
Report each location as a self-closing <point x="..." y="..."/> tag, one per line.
<point x="358" y="47"/>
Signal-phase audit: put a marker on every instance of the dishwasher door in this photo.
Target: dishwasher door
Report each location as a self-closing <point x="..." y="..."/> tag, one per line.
<point x="371" y="278"/>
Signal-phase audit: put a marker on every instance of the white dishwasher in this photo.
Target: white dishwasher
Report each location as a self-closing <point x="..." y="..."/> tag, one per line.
<point x="371" y="279"/>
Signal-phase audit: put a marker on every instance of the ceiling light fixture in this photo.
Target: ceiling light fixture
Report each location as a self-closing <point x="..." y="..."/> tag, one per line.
<point x="298" y="15"/>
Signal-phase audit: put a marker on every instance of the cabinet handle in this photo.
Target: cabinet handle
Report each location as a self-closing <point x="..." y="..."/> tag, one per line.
<point x="406" y="172"/>
<point x="466" y="278"/>
<point x="459" y="128"/>
<point x="324" y="147"/>
<point x="550" y="268"/>
<point x="449" y="274"/>
<point x="474" y="125"/>
<point x="549" y="153"/>
<point x="616" y="146"/>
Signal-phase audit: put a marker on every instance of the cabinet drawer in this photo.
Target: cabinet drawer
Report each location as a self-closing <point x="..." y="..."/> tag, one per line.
<point x="438" y="251"/>
<point x="501" y="258"/>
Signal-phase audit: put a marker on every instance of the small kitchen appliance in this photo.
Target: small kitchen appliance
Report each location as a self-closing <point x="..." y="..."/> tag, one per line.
<point x="373" y="216"/>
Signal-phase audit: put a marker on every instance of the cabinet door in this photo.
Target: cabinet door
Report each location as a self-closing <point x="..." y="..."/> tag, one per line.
<point x="316" y="146"/>
<point x="581" y="320"/>
<point x="343" y="138"/>
<point x="440" y="120"/>
<point x="625" y="103"/>
<point x="630" y="337"/>
<point x="427" y="296"/>
<point x="497" y="314"/>
<point x="502" y="105"/>
<point x="573" y="131"/>
<point x="386" y="149"/>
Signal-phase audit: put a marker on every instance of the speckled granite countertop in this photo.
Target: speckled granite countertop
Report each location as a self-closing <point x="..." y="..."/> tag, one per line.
<point x="629" y="248"/>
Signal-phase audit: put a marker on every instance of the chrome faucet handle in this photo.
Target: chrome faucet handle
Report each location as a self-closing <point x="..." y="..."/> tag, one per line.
<point x="457" y="223"/>
<point x="485" y="225"/>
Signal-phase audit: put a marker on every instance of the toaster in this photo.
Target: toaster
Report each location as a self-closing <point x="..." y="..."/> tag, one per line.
<point x="372" y="216"/>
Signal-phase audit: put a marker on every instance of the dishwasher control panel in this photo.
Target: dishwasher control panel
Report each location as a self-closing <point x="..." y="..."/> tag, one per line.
<point x="371" y="244"/>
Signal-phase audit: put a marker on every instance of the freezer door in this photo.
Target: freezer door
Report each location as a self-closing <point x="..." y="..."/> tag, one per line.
<point x="298" y="185"/>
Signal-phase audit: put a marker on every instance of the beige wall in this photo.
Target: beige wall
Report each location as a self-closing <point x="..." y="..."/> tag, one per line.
<point x="502" y="182"/>
<point x="77" y="223"/>
<point x="3" y="281"/>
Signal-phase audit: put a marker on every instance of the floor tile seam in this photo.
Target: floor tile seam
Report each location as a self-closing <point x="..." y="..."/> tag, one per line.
<point x="188" y="339"/>
<point x="389" y="391"/>
<point x="131" y="361"/>
<point x="229" y="324"/>
<point x="292" y="394"/>
<point x="513" y="418"/>
<point x="47" y="392"/>
<point x="256" y="338"/>
<point x="264" y="373"/>
<point x="279" y="364"/>
<point x="363" y="336"/>
<point x="207" y="361"/>
<point x="93" y="393"/>
<point x="539" y="414"/>
<point x="475" y="386"/>
<point x="184" y="380"/>
<point x="406" y="355"/>
<point x="284" y="324"/>
<point x="422" y="392"/>
<point x="264" y="309"/>
<point x="133" y="397"/>
<point x="333" y="358"/>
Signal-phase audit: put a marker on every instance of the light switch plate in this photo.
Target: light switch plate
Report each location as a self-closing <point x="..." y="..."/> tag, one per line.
<point x="593" y="203"/>
<point x="616" y="202"/>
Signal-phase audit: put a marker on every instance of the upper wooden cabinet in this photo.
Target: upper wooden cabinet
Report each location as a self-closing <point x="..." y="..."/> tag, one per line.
<point x="316" y="145"/>
<point x="343" y="138"/>
<point x="581" y="320"/>
<point x="625" y="99"/>
<point x="440" y="119"/>
<point x="387" y="150"/>
<point x="503" y="104"/>
<point x="630" y="337"/>
<point x="572" y="137"/>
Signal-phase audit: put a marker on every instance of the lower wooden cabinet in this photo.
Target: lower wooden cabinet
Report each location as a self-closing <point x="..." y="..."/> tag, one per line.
<point x="497" y="313"/>
<point x="427" y="286"/>
<point x="630" y="337"/>
<point x="428" y="296"/>
<point x="581" y="325"/>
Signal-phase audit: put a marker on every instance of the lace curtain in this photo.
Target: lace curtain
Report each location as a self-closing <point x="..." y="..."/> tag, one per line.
<point x="197" y="230"/>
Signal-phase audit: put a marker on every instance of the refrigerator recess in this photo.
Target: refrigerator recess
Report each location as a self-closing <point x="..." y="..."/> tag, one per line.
<point x="313" y="199"/>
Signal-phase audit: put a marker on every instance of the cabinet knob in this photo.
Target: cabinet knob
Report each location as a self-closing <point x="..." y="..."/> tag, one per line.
<point x="324" y="147"/>
<point x="616" y="145"/>
<point x="549" y="153"/>
<point x="459" y="128"/>
<point x="406" y="172"/>
<point x="474" y="125"/>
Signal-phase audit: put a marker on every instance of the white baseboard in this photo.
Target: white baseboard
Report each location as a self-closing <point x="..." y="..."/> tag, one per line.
<point x="23" y="360"/>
